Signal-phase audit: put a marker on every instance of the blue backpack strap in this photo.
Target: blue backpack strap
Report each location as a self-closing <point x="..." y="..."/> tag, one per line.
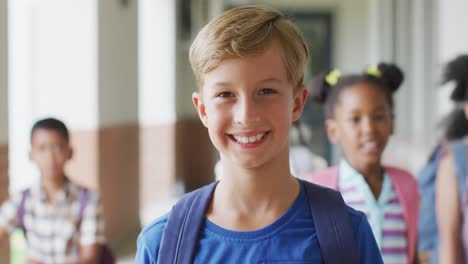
<point x="333" y="225"/>
<point x="21" y="210"/>
<point x="460" y="158"/>
<point x="180" y="235"/>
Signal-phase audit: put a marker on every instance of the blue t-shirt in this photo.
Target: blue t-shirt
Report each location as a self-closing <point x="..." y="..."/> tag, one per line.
<point x="290" y="239"/>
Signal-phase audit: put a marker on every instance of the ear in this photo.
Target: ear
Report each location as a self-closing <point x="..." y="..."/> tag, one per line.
<point x="30" y="155"/>
<point x="332" y="131"/>
<point x="200" y="106"/>
<point x="70" y="153"/>
<point x="300" y="98"/>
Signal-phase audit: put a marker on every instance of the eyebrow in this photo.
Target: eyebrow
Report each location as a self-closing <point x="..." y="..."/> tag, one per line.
<point x="271" y="80"/>
<point x="262" y="81"/>
<point x="380" y="108"/>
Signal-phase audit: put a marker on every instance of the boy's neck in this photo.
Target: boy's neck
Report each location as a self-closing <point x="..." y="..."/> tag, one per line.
<point x="253" y="198"/>
<point x="53" y="185"/>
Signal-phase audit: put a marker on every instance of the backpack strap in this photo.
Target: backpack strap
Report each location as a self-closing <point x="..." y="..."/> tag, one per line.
<point x="178" y="242"/>
<point x="106" y="254"/>
<point x="83" y="199"/>
<point x="460" y="158"/>
<point x="21" y="209"/>
<point x="333" y="225"/>
<point x="407" y="190"/>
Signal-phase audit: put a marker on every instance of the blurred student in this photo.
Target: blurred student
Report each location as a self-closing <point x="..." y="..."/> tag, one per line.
<point x="62" y="221"/>
<point x="359" y="119"/>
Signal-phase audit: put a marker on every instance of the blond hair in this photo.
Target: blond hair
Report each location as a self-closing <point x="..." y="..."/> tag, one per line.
<point x="245" y="32"/>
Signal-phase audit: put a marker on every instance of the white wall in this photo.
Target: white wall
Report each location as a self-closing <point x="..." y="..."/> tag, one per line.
<point x="3" y="72"/>
<point x="436" y="33"/>
<point x="351" y="28"/>
<point x="452" y="41"/>
<point x="118" y="62"/>
<point x="157" y="62"/>
<point x="52" y="72"/>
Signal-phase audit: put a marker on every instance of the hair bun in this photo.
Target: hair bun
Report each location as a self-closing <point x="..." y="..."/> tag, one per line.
<point x="391" y="75"/>
<point x="457" y="70"/>
<point x="319" y="89"/>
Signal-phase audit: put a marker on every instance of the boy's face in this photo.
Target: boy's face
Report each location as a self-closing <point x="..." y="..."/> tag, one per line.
<point x="248" y="106"/>
<point x="362" y="124"/>
<point x="50" y="151"/>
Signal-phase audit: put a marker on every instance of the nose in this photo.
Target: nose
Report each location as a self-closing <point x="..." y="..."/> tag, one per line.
<point x="368" y="125"/>
<point x="246" y="111"/>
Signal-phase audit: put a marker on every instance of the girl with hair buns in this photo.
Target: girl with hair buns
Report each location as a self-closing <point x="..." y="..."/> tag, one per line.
<point x="359" y="119"/>
<point x="451" y="198"/>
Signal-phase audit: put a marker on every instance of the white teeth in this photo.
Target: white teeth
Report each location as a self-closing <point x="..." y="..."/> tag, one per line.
<point x="252" y="139"/>
<point x="372" y="144"/>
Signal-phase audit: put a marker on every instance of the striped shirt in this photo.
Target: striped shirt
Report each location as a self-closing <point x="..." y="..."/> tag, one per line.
<point x="52" y="234"/>
<point x="385" y="214"/>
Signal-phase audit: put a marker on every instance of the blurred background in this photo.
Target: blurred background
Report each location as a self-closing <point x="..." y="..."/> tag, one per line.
<point x="117" y="73"/>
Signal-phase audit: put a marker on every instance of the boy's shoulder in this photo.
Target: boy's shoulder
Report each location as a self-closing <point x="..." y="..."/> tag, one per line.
<point x="149" y="240"/>
<point x="155" y="229"/>
<point x="356" y="217"/>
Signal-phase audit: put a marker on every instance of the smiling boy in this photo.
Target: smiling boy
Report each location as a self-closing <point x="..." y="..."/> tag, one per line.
<point x="249" y="66"/>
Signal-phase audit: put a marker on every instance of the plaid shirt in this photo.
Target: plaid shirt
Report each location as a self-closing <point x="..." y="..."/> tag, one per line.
<point x="52" y="234"/>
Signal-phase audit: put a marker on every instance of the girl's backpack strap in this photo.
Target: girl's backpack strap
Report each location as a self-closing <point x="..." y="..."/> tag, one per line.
<point x="408" y="193"/>
<point x="21" y="209"/>
<point x="327" y="177"/>
<point x="180" y="235"/>
<point x="333" y="225"/>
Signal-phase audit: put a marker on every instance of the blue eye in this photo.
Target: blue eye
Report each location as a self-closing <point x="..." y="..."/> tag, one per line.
<point x="267" y="91"/>
<point x="225" y="95"/>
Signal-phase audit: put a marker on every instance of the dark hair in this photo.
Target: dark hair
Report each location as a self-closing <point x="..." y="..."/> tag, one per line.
<point x="457" y="71"/>
<point x="455" y="125"/>
<point x="52" y="124"/>
<point x="390" y="79"/>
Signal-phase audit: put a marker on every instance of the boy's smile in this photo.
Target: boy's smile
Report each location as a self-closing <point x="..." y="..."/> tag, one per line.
<point x="248" y="106"/>
<point x="249" y="139"/>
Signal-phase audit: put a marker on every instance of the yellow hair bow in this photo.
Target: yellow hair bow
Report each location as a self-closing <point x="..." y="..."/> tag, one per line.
<point x="374" y="71"/>
<point x="333" y="77"/>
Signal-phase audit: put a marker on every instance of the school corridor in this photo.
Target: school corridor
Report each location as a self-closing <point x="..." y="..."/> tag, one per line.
<point x="117" y="73"/>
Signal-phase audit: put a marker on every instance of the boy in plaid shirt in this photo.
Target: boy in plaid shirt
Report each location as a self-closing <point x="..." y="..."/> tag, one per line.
<point x="62" y="221"/>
